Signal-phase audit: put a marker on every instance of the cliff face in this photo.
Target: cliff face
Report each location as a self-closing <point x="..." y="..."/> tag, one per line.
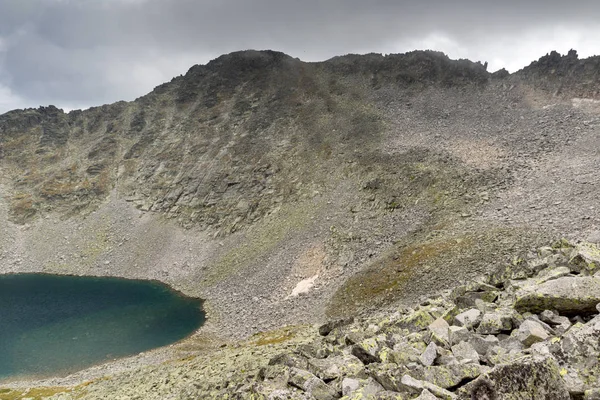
<point x="381" y="178"/>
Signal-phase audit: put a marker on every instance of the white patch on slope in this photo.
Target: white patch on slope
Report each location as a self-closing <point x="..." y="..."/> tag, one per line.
<point x="303" y="286"/>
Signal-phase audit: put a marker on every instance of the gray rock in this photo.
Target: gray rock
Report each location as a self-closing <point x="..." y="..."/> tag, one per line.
<point x="312" y="385"/>
<point x="429" y="355"/>
<point x="439" y="332"/>
<point x="511" y="343"/>
<point x="552" y="273"/>
<point x="426" y="395"/>
<point x="482" y="344"/>
<point x="567" y="295"/>
<point x="526" y="378"/>
<point x="367" y="351"/>
<point x="464" y="351"/>
<point x="336" y="367"/>
<point x="531" y="332"/>
<point x="326" y="328"/>
<point x="448" y="376"/>
<point x="349" y="386"/>
<point x="579" y="351"/>
<point x="416" y="386"/>
<point x="469" y="318"/>
<point x="592" y="394"/>
<point x="585" y="258"/>
<point x="458" y="334"/>
<point x="290" y="360"/>
<point x="494" y="323"/>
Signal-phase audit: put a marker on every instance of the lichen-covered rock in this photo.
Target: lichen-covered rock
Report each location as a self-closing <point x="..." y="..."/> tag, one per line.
<point x="469" y="318"/>
<point x="526" y="378"/>
<point x="337" y="367"/>
<point x="429" y="355"/>
<point x="439" y="332"/>
<point x="495" y="323"/>
<point x="369" y="350"/>
<point x="447" y="376"/>
<point x="464" y="351"/>
<point x="426" y="395"/>
<point x="359" y="390"/>
<point x="531" y="332"/>
<point x="459" y="334"/>
<point x="567" y="295"/>
<point x="585" y="258"/>
<point x="312" y="385"/>
<point x="416" y="321"/>
<point x="416" y="386"/>
<point x="579" y="352"/>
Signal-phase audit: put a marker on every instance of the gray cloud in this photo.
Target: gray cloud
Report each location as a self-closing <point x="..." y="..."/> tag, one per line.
<point x="74" y="53"/>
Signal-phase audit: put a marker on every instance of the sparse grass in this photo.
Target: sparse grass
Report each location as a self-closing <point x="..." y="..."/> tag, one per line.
<point x="420" y="265"/>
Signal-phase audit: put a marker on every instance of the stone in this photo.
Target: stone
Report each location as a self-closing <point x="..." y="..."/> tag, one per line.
<point x="525" y="378"/>
<point x="426" y="395"/>
<point x="404" y="353"/>
<point x="458" y="334"/>
<point x="367" y="351"/>
<point x="567" y="295"/>
<point x="579" y="351"/>
<point x="468" y="319"/>
<point x="312" y="385"/>
<point x="416" y="386"/>
<point x="464" y="351"/>
<point x="416" y="321"/>
<point x="482" y="344"/>
<point x="447" y="376"/>
<point x="592" y="394"/>
<point x="336" y="367"/>
<point x="290" y="360"/>
<point x="326" y="328"/>
<point x="349" y="386"/>
<point x="511" y="343"/>
<point x="552" y="273"/>
<point x="365" y="389"/>
<point x="494" y="323"/>
<point x="531" y="332"/>
<point x="439" y="332"/>
<point x="559" y="323"/>
<point x="585" y="257"/>
<point x="429" y="355"/>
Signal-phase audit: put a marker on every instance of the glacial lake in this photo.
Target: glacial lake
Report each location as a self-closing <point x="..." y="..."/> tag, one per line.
<point x="51" y="325"/>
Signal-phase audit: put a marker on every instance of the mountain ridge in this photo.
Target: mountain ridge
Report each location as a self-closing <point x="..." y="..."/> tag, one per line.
<point x="377" y="179"/>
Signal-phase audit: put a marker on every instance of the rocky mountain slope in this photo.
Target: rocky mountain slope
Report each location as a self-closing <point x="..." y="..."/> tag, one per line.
<point x="286" y="192"/>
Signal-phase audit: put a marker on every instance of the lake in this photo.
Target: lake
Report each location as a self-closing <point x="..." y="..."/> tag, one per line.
<point x="51" y="325"/>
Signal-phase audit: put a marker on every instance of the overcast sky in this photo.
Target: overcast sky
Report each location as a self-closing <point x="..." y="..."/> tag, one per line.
<point x="80" y="53"/>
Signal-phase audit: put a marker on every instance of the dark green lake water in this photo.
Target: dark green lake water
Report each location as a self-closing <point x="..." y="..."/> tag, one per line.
<point x="51" y="325"/>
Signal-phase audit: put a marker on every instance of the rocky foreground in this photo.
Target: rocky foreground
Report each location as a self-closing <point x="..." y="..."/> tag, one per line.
<point x="529" y="331"/>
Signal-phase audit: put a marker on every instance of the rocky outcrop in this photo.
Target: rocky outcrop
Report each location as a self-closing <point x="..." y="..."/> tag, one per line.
<point x="507" y="347"/>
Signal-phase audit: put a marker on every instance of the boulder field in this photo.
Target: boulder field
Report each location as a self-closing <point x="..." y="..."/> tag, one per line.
<point x="527" y="331"/>
<point x="523" y="333"/>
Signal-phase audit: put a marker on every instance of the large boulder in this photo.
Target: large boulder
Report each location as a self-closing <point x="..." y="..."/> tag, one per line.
<point x="579" y="352"/>
<point x="312" y="385"/>
<point x="567" y="295"/>
<point x="526" y="378"/>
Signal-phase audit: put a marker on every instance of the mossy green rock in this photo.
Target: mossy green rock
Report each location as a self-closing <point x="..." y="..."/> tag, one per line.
<point x="567" y="295"/>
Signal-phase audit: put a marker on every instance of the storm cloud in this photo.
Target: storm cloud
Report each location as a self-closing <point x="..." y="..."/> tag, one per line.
<point x="76" y="54"/>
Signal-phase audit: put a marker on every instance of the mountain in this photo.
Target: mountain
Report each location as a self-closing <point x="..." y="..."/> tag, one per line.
<point x="377" y="179"/>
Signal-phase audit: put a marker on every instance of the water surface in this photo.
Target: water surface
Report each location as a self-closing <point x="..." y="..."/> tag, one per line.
<point x="52" y="325"/>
